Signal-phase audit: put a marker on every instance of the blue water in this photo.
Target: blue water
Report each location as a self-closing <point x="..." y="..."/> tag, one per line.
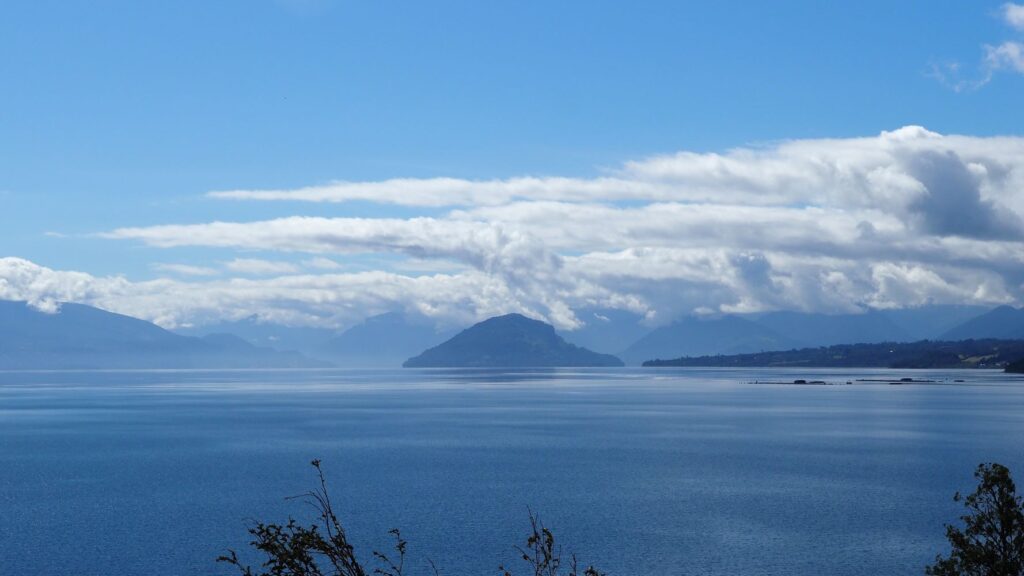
<point x="639" y="471"/>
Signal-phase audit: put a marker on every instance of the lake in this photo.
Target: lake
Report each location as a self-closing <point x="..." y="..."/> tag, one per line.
<point x="652" y="472"/>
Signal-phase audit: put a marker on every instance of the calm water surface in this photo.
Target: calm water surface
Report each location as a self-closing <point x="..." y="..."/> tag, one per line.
<point x="639" y="471"/>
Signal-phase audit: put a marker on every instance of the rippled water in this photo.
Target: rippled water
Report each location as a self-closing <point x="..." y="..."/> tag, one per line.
<point x="639" y="471"/>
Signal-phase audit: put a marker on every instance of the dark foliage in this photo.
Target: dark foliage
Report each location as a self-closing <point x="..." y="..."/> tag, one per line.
<point x="293" y="550"/>
<point x="991" y="542"/>
<point x="323" y="549"/>
<point x="1016" y="367"/>
<point x="545" y="558"/>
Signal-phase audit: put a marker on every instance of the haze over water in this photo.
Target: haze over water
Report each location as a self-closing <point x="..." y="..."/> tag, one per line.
<point x="638" y="471"/>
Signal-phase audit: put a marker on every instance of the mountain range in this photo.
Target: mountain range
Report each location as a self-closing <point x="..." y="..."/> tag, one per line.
<point x="384" y="340"/>
<point x="705" y="336"/>
<point x="388" y="339"/>
<point x="1003" y="322"/>
<point x="78" y="336"/>
<point x="738" y="334"/>
<point x="82" y="336"/>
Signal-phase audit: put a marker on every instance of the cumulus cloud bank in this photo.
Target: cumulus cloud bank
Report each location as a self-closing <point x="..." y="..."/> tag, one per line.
<point x="328" y="300"/>
<point x="905" y="218"/>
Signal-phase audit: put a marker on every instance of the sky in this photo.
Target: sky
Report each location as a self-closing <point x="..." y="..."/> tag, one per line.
<point x="315" y="162"/>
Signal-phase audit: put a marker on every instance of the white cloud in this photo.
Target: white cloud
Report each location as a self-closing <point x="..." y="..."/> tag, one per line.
<point x="1013" y="15"/>
<point x="451" y="191"/>
<point x="843" y="173"/>
<point x="334" y="300"/>
<point x="184" y="269"/>
<point x="899" y="219"/>
<point x="1006" y="56"/>
<point x="321" y="263"/>
<point x="44" y="289"/>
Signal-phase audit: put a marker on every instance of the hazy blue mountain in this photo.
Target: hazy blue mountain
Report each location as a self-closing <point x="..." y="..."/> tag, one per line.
<point x="828" y="329"/>
<point x="1004" y="322"/>
<point x="512" y="340"/>
<point x="308" y="341"/>
<point x="81" y="336"/>
<point x="384" y="340"/>
<point x="606" y="330"/>
<point x="694" y="336"/>
<point x="932" y="322"/>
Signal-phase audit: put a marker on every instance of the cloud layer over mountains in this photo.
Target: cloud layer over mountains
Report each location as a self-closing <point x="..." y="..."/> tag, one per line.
<point x="905" y="218"/>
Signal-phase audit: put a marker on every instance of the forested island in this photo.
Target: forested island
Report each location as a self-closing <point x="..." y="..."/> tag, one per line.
<point x="512" y="340"/>
<point x="988" y="353"/>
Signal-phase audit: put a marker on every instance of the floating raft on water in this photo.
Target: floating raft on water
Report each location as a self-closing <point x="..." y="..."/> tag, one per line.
<point x="800" y="382"/>
<point x="894" y="381"/>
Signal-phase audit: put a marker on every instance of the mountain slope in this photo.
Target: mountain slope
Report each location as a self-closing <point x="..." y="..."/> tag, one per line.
<point x="606" y="330"/>
<point x="384" y="340"/>
<point x="705" y="336"/>
<point x="509" y="341"/>
<point x="829" y="329"/>
<point x="80" y="336"/>
<point x="258" y="332"/>
<point x="932" y="321"/>
<point x="1002" y="322"/>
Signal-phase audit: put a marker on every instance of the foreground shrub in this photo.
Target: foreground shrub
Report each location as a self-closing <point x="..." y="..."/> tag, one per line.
<point x="991" y="542"/>
<point x="323" y="549"/>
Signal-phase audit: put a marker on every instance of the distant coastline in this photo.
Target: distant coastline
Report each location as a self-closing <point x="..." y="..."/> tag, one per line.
<point x="987" y="353"/>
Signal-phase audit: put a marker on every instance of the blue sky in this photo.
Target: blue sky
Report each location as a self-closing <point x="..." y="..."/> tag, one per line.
<point x="119" y="115"/>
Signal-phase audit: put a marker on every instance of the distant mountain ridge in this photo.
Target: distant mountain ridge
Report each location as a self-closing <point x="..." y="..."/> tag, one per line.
<point x="510" y="341"/>
<point x="1000" y="322"/>
<point x="606" y="330"/>
<point x="786" y="330"/>
<point x="388" y="339"/>
<point x="259" y="332"/>
<point x="383" y="340"/>
<point x="809" y="329"/>
<point x="89" y="337"/>
<point x="933" y="321"/>
<point x="83" y="337"/>
<point x="699" y="336"/>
